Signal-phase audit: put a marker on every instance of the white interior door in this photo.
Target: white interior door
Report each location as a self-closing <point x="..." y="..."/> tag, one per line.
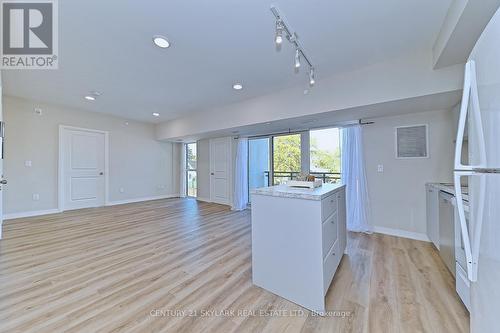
<point x="83" y="168"/>
<point x="220" y="170"/>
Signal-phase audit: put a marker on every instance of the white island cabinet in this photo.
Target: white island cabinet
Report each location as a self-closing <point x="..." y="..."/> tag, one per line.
<point x="298" y="240"/>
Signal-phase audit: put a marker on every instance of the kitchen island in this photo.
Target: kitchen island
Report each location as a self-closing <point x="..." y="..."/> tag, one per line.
<point x="298" y="240"/>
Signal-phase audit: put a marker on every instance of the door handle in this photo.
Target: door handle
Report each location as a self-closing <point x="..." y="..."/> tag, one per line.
<point x="470" y="93"/>
<point x="101" y="173"/>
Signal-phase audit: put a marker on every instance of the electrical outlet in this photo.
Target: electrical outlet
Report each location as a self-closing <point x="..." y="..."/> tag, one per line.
<point x="27" y="163"/>
<point x="38" y="111"/>
<point x="36" y="196"/>
<point x="380" y="168"/>
<point x="122" y="190"/>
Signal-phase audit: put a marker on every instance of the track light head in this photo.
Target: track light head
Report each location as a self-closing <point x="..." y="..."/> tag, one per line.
<point x="297" y="58"/>
<point x="312" y="81"/>
<point x="279" y="32"/>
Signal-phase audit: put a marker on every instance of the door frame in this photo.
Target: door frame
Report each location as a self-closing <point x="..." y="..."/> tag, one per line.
<point x="60" y="169"/>
<point x="229" y="151"/>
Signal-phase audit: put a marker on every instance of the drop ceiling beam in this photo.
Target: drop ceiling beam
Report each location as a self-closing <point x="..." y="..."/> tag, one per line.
<point x="464" y="23"/>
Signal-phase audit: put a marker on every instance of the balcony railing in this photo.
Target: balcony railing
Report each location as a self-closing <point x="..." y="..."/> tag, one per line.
<point x="281" y="177"/>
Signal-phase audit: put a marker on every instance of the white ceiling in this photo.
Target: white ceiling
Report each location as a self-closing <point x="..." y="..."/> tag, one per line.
<point x="106" y="46"/>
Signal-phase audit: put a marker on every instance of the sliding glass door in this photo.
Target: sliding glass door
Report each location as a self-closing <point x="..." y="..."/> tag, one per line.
<point x="275" y="159"/>
<point x="191" y="173"/>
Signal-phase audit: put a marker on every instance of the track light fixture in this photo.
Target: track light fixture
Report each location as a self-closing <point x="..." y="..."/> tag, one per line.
<point x="312" y="81"/>
<point x="297" y="58"/>
<point x="283" y="30"/>
<point x="279" y="32"/>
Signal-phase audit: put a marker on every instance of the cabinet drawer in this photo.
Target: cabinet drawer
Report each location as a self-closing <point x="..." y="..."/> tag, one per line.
<point x="328" y="206"/>
<point x="330" y="265"/>
<point x="329" y="233"/>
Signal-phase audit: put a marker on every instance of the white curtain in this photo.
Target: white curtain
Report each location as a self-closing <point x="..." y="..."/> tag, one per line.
<point x="354" y="177"/>
<point x="240" y="193"/>
<point x="182" y="179"/>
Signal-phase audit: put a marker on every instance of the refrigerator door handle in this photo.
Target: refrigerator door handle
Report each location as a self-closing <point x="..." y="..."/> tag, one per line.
<point x="462" y="120"/>
<point x="470" y="94"/>
<point x="471" y="248"/>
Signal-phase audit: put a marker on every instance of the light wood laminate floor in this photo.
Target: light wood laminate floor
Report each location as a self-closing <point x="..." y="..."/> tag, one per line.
<point x="134" y="268"/>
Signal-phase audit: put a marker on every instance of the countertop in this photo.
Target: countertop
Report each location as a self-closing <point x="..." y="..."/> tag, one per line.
<point x="284" y="191"/>
<point x="450" y="188"/>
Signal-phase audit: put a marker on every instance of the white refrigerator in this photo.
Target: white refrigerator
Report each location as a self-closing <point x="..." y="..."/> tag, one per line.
<point x="480" y="230"/>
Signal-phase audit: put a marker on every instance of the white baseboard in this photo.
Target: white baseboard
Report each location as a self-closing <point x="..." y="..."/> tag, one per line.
<point x="19" y="215"/>
<point x="127" y="201"/>
<point x="401" y="233"/>
<point x="111" y="203"/>
<point x="203" y="199"/>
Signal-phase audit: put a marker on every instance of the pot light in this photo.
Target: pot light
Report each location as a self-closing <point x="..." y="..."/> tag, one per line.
<point x="237" y="86"/>
<point x="161" y="41"/>
<point x="90" y="98"/>
<point x="156" y="114"/>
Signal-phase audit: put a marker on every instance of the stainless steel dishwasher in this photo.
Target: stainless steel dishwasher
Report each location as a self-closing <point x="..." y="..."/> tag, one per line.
<point x="447" y="229"/>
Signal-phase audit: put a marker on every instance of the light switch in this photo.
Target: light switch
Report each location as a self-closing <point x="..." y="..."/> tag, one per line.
<point x="27" y="163"/>
<point x="380" y="168"/>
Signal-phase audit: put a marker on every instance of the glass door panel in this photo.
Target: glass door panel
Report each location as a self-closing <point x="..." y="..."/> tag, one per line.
<point x="325" y="154"/>
<point x="258" y="163"/>
<point x="286" y="158"/>
<point x="191" y="174"/>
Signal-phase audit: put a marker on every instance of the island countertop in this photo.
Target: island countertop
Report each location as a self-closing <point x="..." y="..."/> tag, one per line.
<point x="284" y="191"/>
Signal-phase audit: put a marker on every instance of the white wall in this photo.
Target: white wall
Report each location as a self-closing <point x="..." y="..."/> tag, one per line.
<point x="398" y="194"/>
<point x="139" y="164"/>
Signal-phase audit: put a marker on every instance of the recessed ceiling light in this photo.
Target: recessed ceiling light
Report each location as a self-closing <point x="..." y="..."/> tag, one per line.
<point x="237" y="86"/>
<point x="90" y="98"/>
<point x="161" y="41"/>
<point x="156" y="114"/>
